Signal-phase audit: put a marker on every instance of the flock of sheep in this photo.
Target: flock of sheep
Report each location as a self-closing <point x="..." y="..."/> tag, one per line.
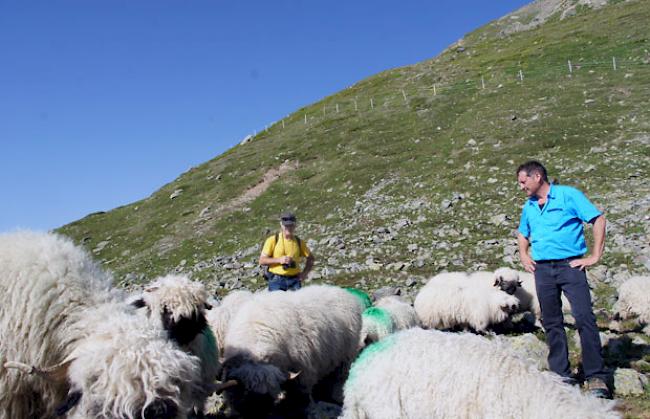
<point x="73" y="346"/>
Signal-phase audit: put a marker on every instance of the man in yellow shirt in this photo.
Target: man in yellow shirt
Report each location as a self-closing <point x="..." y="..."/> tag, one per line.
<point x="283" y="253"/>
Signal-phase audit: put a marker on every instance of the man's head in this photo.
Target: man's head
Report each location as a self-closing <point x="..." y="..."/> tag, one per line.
<point x="531" y="176"/>
<point x="288" y="222"/>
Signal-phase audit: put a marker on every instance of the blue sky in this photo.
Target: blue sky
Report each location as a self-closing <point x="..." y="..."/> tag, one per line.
<point x="102" y="102"/>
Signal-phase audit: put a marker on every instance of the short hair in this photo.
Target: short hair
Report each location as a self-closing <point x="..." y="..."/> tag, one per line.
<point x="533" y="166"/>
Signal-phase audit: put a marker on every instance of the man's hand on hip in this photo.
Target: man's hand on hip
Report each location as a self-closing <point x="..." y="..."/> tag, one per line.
<point x="582" y="263"/>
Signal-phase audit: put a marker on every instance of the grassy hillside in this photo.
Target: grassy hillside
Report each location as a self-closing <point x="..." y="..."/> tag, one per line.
<point x="433" y="145"/>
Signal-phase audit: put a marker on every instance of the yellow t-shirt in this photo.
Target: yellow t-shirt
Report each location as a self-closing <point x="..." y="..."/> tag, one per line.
<point x="285" y="247"/>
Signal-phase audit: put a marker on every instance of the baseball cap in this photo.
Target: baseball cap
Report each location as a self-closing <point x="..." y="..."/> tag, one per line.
<point x="287" y="218"/>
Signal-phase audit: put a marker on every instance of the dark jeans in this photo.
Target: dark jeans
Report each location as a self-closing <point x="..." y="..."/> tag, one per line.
<point x="283" y="283"/>
<point x="551" y="279"/>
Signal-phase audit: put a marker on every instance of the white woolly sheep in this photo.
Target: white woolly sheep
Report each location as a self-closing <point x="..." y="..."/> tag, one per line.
<point x="421" y="374"/>
<point x="178" y="305"/>
<point x="83" y="348"/>
<point x="634" y="301"/>
<point x="312" y="332"/>
<point x="451" y="301"/>
<point x="219" y="316"/>
<point x="389" y="315"/>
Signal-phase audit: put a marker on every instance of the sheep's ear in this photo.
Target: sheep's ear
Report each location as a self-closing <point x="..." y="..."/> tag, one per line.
<point x="139" y="303"/>
<point x="151" y="288"/>
<point x="71" y="401"/>
<point x="293" y="375"/>
<point x="497" y="281"/>
<point x="519" y="282"/>
<point x="207" y="306"/>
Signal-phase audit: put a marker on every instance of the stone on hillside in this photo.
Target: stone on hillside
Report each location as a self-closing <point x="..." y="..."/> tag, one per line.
<point x="471" y="142"/>
<point x="529" y="348"/>
<point x="327" y="271"/>
<point x="314" y="274"/>
<point x="100" y="246"/>
<point x="412" y="247"/>
<point x="597" y="274"/>
<point x="411" y="282"/>
<point x="628" y="382"/>
<point x="385" y="292"/>
<point x="402" y="223"/>
<point x="176" y="193"/>
<point x="499" y="219"/>
<point x="446" y="204"/>
<point x="204" y="212"/>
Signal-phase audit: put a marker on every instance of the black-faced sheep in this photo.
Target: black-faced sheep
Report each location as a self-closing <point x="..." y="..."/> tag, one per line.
<point x="452" y="301"/>
<point x="426" y="373"/>
<point x="521" y="285"/>
<point x="70" y="344"/>
<point x="311" y="332"/>
<point x="178" y="305"/>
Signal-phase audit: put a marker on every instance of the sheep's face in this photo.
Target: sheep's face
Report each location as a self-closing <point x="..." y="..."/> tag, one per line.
<point x="185" y="329"/>
<point x="181" y="305"/>
<point x="128" y="369"/>
<point x="507" y="280"/>
<point x="508" y="304"/>
<point x="257" y="389"/>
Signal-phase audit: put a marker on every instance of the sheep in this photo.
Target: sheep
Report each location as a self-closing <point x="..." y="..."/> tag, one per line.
<point x="220" y="316"/>
<point x="389" y="315"/>
<point x="506" y="278"/>
<point x="634" y="301"/>
<point x="178" y="306"/>
<point x="70" y="344"/>
<point x="282" y="344"/>
<point x="450" y="301"/>
<point x="427" y="373"/>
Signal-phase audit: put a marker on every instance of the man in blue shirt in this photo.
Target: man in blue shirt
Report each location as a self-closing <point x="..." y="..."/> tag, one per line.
<point x="552" y="225"/>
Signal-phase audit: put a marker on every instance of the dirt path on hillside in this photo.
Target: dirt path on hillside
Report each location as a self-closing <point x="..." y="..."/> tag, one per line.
<point x="248" y="196"/>
<point x="269" y="177"/>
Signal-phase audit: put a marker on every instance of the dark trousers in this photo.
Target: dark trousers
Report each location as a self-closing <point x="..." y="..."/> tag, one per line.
<point x="283" y="283"/>
<point x="551" y="279"/>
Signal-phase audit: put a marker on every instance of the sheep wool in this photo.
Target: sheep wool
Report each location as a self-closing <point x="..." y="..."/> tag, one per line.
<point x="219" y="316"/>
<point x="419" y="374"/>
<point x="68" y="339"/>
<point x="634" y="300"/>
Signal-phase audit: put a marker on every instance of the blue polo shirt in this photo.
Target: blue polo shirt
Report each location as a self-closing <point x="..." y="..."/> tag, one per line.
<point x="556" y="230"/>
